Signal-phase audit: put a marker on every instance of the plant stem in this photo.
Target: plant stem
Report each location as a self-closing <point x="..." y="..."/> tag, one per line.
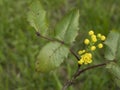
<point x="62" y="42"/>
<point x="74" y="54"/>
<point x="78" y="72"/>
<point x="91" y="67"/>
<point x="50" y="39"/>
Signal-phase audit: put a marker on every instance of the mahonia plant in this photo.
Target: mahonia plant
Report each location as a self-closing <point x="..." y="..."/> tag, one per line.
<point x="57" y="49"/>
<point x="93" y="42"/>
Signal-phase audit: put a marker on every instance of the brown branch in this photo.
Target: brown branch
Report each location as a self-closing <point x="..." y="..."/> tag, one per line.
<point x="70" y="82"/>
<point x="78" y="72"/>
<point x="50" y="39"/>
<point x="91" y="67"/>
<point x="74" y="54"/>
<point x="62" y="42"/>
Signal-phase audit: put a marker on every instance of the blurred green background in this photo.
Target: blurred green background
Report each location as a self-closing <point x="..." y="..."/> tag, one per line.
<point x="19" y="45"/>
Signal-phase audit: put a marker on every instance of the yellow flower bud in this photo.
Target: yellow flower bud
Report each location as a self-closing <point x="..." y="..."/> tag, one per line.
<point x="93" y="36"/>
<point x="94" y="39"/>
<point x="80" y="62"/>
<point x="81" y="52"/>
<point x="99" y="35"/>
<point x="93" y="48"/>
<point x="89" y="61"/>
<point x="103" y="38"/>
<point x="86" y="41"/>
<point x="91" y="32"/>
<point x="100" y="45"/>
<point x="90" y="55"/>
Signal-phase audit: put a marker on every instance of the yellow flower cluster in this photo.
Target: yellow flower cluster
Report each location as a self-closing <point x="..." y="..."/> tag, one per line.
<point x="92" y="43"/>
<point x="85" y="58"/>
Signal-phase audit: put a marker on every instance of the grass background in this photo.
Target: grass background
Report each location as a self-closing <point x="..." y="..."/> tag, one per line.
<point x="19" y="45"/>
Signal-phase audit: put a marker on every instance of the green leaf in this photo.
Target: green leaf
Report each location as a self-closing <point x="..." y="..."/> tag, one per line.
<point x="118" y="51"/>
<point x="114" y="69"/>
<point x="37" y="17"/>
<point x="113" y="45"/>
<point x="51" y="56"/>
<point x="67" y="29"/>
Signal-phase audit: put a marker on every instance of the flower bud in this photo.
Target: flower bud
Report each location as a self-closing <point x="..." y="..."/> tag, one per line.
<point x="86" y="41"/>
<point x="93" y="48"/>
<point x="103" y="38"/>
<point x="91" y="32"/>
<point x="100" y="45"/>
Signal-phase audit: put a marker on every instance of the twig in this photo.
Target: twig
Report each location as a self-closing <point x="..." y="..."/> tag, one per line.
<point x="70" y="82"/>
<point x="74" y="54"/>
<point x="50" y="39"/>
<point x="78" y="72"/>
<point x="62" y="42"/>
<point x="91" y="67"/>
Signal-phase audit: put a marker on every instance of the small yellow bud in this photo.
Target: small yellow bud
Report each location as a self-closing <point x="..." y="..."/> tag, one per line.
<point x="100" y="45"/>
<point x="94" y="39"/>
<point x="91" y="32"/>
<point x="99" y="35"/>
<point x="81" y="52"/>
<point x="93" y="36"/>
<point x="90" y="55"/>
<point x="86" y="41"/>
<point x="80" y="62"/>
<point x="93" y="48"/>
<point x="103" y="38"/>
<point x="89" y="61"/>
